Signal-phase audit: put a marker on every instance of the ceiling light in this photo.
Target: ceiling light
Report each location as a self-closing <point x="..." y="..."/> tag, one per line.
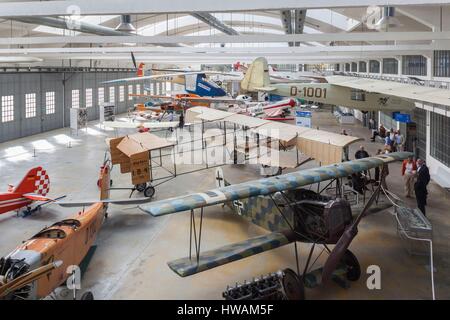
<point x="125" y="24"/>
<point x="388" y="19"/>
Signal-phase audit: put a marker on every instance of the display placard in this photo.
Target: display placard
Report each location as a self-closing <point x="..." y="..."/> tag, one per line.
<point x="303" y="118"/>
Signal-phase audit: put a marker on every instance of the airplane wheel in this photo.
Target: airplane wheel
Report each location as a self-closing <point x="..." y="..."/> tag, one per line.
<point x="141" y="187"/>
<point x="149" y="191"/>
<point x="88" y="295"/>
<point x="352" y="264"/>
<point x="293" y="285"/>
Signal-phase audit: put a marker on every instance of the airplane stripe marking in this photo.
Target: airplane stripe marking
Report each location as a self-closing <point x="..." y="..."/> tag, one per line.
<point x="15" y="203"/>
<point x="12" y="200"/>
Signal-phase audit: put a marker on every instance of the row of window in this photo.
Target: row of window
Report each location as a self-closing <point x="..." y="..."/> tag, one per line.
<point x="7" y="102"/>
<point x="414" y="65"/>
<point x="101" y="95"/>
<point x="7" y="105"/>
<point x="440" y="137"/>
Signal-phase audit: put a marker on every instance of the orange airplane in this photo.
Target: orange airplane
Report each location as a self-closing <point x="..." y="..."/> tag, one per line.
<point x="33" y="187"/>
<point x="66" y="242"/>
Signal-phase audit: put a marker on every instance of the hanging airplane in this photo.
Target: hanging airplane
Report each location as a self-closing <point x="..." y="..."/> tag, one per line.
<point x="290" y="213"/>
<point x="194" y="82"/>
<point x="334" y="91"/>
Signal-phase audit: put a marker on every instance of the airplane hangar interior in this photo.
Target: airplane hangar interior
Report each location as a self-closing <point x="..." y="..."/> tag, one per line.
<point x="224" y="150"/>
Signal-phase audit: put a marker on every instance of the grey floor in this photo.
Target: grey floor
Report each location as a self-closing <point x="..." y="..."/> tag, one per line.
<point x="133" y="247"/>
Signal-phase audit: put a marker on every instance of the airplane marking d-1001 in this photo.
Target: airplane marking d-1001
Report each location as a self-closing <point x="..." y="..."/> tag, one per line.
<point x="280" y="205"/>
<point x="328" y="91"/>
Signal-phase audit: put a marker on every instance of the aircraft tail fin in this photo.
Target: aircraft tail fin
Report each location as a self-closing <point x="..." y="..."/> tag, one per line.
<point x="140" y="70"/>
<point x="214" y="258"/>
<point x="257" y="76"/>
<point x="35" y="181"/>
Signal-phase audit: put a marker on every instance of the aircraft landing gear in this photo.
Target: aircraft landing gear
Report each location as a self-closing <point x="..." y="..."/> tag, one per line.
<point x="29" y="211"/>
<point x="88" y="295"/>
<point x="148" y="190"/>
<point x="293" y="286"/>
<point x="351" y="263"/>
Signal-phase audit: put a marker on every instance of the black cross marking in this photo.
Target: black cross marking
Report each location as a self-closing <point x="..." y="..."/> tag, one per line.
<point x="239" y="206"/>
<point x="219" y="178"/>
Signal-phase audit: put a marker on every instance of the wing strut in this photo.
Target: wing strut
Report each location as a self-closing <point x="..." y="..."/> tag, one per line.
<point x="193" y="230"/>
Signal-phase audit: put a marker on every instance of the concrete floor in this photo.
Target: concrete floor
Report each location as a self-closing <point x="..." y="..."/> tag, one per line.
<point x="133" y="247"/>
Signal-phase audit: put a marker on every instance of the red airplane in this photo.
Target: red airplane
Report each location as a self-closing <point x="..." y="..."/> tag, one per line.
<point x="33" y="187"/>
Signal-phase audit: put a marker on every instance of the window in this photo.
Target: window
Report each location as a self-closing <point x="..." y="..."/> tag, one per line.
<point x="75" y="99"/>
<point x="441" y="66"/>
<point x="390" y="66"/>
<point x="7" y="108"/>
<point x="440" y="137"/>
<point x="89" y="98"/>
<point x="101" y="95"/>
<point x="347" y="67"/>
<point x="30" y="105"/>
<point x="168" y="86"/>
<point x="152" y="88"/>
<point x="362" y="66"/>
<point x="420" y="117"/>
<point x="354" y="67"/>
<point x="130" y="91"/>
<point x="158" y="88"/>
<point x="121" y="93"/>
<point x="50" y="102"/>
<point x="111" y="95"/>
<point x="414" y="65"/>
<point x="358" y="95"/>
<point x="138" y="89"/>
<point x="336" y="67"/>
<point x="374" y="66"/>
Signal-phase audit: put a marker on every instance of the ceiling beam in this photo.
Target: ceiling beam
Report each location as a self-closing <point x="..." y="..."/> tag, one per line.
<point x="118" y="7"/>
<point x="354" y="36"/>
<point x="262" y="50"/>
<point x="212" y="21"/>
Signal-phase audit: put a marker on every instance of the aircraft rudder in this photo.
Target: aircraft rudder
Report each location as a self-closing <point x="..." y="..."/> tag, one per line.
<point x="257" y="75"/>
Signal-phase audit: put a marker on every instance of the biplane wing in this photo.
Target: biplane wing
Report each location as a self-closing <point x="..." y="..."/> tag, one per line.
<point x="212" y="100"/>
<point x="164" y="76"/>
<point x="83" y="203"/>
<point x="268" y="186"/>
<point x="136" y="125"/>
<point x="210" y="259"/>
<point x="401" y="90"/>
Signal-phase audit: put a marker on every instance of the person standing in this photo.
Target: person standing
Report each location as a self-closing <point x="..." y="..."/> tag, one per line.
<point x="382" y="131"/>
<point x="400" y="141"/>
<point x="361" y="153"/>
<point x="420" y="187"/>
<point x="409" y="170"/>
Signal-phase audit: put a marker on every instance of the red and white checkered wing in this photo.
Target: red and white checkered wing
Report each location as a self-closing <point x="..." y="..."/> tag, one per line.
<point x="42" y="182"/>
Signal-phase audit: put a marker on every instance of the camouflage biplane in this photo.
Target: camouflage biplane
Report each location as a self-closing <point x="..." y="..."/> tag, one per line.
<point x="291" y="213"/>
